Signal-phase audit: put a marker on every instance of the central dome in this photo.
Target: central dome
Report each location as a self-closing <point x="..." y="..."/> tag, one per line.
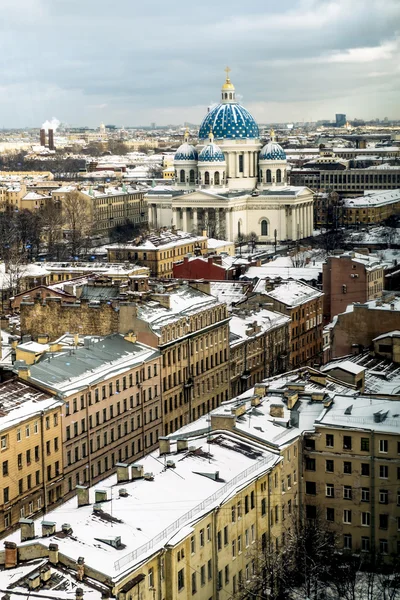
<point x="229" y="121"/>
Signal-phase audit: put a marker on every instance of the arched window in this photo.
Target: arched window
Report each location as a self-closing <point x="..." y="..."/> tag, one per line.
<point x="226" y="96"/>
<point x="207" y="178"/>
<point x="230" y="96"/>
<point x="182" y="176"/>
<point x="216" y="178"/>
<point x="278" y="176"/>
<point x="191" y="176"/>
<point x="269" y="176"/>
<point x="264" y="227"/>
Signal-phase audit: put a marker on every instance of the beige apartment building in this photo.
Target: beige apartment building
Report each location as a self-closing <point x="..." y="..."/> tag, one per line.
<point x="191" y="331"/>
<point x="30" y="452"/>
<point x="159" y="251"/>
<point x="106" y="206"/>
<point x="110" y="390"/>
<point x="352" y="470"/>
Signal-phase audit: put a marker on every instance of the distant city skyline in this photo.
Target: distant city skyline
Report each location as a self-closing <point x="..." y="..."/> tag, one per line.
<point x="296" y="60"/>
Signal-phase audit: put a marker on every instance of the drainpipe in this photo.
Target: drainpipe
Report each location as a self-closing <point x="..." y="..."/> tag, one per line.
<point x="43" y="465"/>
<point x="373" y="536"/>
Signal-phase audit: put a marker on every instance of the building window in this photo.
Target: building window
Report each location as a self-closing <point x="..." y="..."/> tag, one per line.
<point x="383" y="496"/>
<point x="347" y="442"/>
<point x="347" y="516"/>
<point x="330" y="514"/>
<point x="269" y="176"/>
<point x="207" y="178"/>
<point x="182" y="176"/>
<point x="264" y="227"/>
<point x="383" y="521"/>
<point x="310" y="464"/>
<point x="347" y="467"/>
<point x="383" y="471"/>
<point x="365" y="469"/>
<point x="383" y="446"/>
<point x="365" y="444"/>
<point x="329" y="440"/>
<point x="278" y="176"/>
<point x="240" y="163"/>
<point x="181" y="579"/>
<point x="365" y="545"/>
<point x="311" y="488"/>
<point x="364" y="494"/>
<point x="194" y="583"/>
<point x="383" y="546"/>
<point x="347" y="541"/>
<point x="347" y="492"/>
<point x="330" y="490"/>
<point x="329" y="466"/>
<point x="366" y="519"/>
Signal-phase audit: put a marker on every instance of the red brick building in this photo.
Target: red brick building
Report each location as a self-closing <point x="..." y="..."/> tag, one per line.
<point x="349" y="278"/>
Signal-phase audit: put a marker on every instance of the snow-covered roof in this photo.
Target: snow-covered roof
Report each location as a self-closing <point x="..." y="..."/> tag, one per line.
<point x="163" y="241"/>
<point x="213" y="244"/>
<point x="183" y="301"/>
<point x="20" y="401"/>
<point x="345" y="365"/>
<point x="374" y="199"/>
<point x="374" y="414"/>
<point x="392" y="334"/>
<point x="256" y="323"/>
<point x="294" y="293"/>
<point x="229" y="292"/>
<point x="156" y="512"/>
<point x="69" y="371"/>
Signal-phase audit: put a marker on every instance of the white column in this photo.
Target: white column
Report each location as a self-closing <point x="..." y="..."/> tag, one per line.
<point x="311" y="217"/>
<point x="184" y="219"/>
<point x="174" y="218"/>
<point x="231" y="165"/>
<point x="294" y="223"/>
<point x="217" y="225"/>
<point x="228" y="232"/>
<point x="194" y="220"/>
<point x="246" y="171"/>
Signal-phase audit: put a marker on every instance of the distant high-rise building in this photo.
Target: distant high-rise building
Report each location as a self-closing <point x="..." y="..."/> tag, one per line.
<point x="153" y="125"/>
<point x="42" y="137"/>
<point x="340" y="120"/>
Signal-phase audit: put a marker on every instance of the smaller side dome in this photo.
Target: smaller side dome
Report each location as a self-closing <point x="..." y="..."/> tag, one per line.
<point x="186" y="152"/>
<point x="211" y="152"/>
<point x="272" y="150"/>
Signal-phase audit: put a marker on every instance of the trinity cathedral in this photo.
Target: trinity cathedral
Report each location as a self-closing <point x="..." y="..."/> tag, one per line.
<point x="229" y="184"/>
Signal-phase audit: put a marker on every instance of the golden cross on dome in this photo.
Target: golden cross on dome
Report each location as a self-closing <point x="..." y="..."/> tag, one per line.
<point x="227" y="71"/>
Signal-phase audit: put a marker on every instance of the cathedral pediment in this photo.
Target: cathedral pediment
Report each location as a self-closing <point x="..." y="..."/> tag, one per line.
<point x="197" y="196"/>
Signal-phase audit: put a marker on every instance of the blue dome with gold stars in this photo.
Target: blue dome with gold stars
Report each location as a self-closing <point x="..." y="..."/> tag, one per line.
<point x="229" y="121"/>
<point x="211" y="153"/>
<point x="272" y="150"/>
<point x="186" y="152"/>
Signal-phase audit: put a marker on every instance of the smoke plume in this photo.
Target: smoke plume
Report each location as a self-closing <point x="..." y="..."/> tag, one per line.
<point x="53" y="124"/>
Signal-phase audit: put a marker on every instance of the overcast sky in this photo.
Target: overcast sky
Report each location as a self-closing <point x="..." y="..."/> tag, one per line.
<point x="130" y="62"/>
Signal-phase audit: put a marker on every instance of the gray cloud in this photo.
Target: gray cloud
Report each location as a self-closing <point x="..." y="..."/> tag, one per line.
<point x="132" y="63"/>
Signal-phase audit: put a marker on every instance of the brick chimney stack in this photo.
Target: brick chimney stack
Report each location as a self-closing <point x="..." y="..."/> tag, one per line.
<point x="42" y="137"/>
<point x="51" y="139"/>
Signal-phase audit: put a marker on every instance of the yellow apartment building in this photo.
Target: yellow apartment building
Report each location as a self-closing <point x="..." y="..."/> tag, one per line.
<point x="111" y="404"/>
<point x="191" y="331"/>
<point x="160" y="251"/>
<point x="31" y="452"/>
<point x="351" y="473"/>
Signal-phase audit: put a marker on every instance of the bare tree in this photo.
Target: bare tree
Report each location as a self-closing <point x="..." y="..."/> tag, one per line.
<point x="252" y="240"/>
<point x="298" y="259"/>
<point x="77" y="219"/>
<point x="52" y="221"/>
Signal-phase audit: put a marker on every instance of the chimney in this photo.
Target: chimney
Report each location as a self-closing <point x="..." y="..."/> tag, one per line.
<point x="80" y="567"/>
<point x="42" y="137"/>
<point x="34" y="581"/>
<point x="24" y="372"/>
<point x="11" y="555"/>
<point x="79" y="594"/>
<point x="165" y="445"/>
<point x="45" y="573"/>
<point x="181" y="445"/>
<point x="100" y="496"/>
<point x="82" y="492"/>
<point x="48" y="528"/>
<point x="122" y="472"/>
<point x="27" y="529"/>
<point x="53" y="553"/>
<point x="51" y="139"/>
<point x="276" y="410"/>
<point x="137" y="471"/>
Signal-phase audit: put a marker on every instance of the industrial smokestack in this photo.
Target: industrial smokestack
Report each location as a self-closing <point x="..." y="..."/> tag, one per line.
<point x="51" y="139"/>
<point x="42" y="137"/>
